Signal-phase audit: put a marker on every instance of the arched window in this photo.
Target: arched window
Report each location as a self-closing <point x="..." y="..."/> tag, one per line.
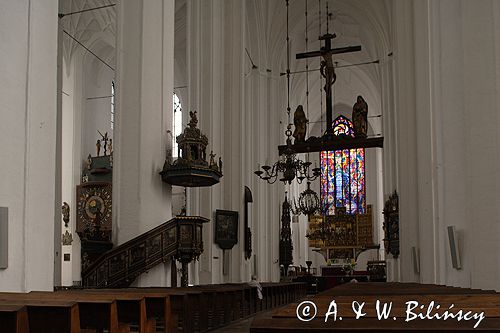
<point x="176" y="123"/>
<point x="112" y="105"/>
<point x="343" y="174"/>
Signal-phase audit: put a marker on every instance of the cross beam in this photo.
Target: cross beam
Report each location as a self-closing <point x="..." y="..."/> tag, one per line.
<point x="332" y="142"/>
<point x="338" y="50"/>
<point x="327" y="69"/>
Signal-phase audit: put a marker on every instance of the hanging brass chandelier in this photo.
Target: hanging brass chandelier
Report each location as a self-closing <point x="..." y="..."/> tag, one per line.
<point x="289" y="166"/>
<point x="308" y="202"/>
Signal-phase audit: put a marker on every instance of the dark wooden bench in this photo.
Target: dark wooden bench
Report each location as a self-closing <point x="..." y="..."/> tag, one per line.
<point x="397" y="288"/>
<point x="192" y="309"/>
<point x="169" y="306"/>
<point x="14" y="318"/>
<point x="94" y="313"/>
<point x="100" y="313"/>
<point x="131" y="307"/>
<point x="47" y="316"/>
<point x="477" y="301"/>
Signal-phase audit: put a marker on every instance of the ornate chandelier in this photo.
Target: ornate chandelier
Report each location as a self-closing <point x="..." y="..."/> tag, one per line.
<point x="308" y="202"/>
<point x="291" y="167"/>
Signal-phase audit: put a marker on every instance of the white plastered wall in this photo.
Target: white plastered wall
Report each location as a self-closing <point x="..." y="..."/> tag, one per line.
<point x="28" y="34"/>
<point x="447" y="73"/>
<point x="144" y="83"/>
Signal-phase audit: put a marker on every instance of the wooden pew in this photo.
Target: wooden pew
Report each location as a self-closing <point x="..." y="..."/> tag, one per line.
<point x="169" y="306"/>
<point x="14" y="318"/>
<point x="477" y="301"/>
<point x="225" y="303"/>
<point x="397" y="288"/>
<point x="189" y="306"/>
<point x="95" y="313"/>
<point x="193" y="309"/>
<point x="227" y="300"/>
<point x="130" y="307"/>
<point x="47" y="316"/>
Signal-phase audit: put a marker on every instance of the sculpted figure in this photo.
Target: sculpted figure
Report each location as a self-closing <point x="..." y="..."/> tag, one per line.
<point x="105" y="139"/>
<point x="65" y="213"/>
<point x="194" y="119"/>
<point x="212" y="159"/>
<point x="360" y="118"/>
<point x="110" y="146"/>
<point x="327" y="70"/>
<point x="89" y="162"/>
<point x="98" y="146"/>
<point x="300" y="122"/>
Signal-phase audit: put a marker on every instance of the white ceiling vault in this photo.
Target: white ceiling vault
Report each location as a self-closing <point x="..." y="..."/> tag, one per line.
<point x="95" y="29"/>
<point x="355" y="22"/>
<point x="363" y="22"/>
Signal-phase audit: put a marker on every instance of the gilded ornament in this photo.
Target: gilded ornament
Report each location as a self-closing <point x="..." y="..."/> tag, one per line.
<point x="67" y="238"/>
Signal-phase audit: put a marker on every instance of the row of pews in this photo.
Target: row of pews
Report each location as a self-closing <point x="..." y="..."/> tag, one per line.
<point x="424" y="313"/>
<point x="143" y="310"/>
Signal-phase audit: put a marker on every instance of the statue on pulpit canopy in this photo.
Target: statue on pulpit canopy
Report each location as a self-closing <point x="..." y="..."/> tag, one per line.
<point x="194" y="119"/>
<point x="212" y="159"/>
<point x="360" y="118"/>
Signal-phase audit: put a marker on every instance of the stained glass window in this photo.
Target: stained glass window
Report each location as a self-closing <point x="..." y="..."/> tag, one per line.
<point x="343" y="174"/>
<point x="343" y="127"/>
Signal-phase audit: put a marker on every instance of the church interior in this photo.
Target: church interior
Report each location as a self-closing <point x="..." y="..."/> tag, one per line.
<point x="188" y="165"/>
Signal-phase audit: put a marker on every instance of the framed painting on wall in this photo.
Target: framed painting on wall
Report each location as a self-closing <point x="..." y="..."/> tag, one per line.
<point x="226" y="228"/>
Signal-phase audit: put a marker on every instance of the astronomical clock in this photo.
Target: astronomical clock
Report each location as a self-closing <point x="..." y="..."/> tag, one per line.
<point x="94" y="210"/>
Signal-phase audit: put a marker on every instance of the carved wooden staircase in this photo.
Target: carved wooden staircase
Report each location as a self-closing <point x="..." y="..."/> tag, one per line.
<point x="120" y="266"/>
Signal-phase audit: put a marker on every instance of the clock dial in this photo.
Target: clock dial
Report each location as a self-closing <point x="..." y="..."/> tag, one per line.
<point x="93" y="205"/>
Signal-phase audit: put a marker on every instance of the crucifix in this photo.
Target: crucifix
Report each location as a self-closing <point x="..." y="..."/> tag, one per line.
<point x="327" y="69"/>
<point x="105" y="139"/>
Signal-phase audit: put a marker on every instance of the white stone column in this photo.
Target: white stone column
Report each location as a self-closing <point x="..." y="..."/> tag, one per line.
<point x="447" y="64"/>
<point x="465" y="51"/>
<point x="402" y="268"/>
<point x="144" y="88"/>
<point x="214" y="53"/>
<point x="234" y="112"/>
<point x="204" y="81"/>
<point x="28" y="134"/>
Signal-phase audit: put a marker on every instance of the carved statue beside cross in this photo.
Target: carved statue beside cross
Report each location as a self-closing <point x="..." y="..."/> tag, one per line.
<point x="360" y="118"/>
<point x="300" y="122"/>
